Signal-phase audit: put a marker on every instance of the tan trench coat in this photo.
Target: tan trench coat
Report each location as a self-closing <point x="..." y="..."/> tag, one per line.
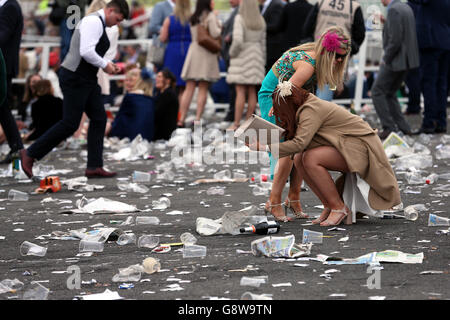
<point x="322" y="123"/>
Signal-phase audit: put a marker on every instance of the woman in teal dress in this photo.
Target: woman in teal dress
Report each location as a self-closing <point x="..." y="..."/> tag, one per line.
<point x="312" y="64"/>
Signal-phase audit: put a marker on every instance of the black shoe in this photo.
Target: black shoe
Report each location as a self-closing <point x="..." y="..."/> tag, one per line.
<point x="384" y="134"/>
<point x="425" y="130"/>
<point x="8" y="158"/>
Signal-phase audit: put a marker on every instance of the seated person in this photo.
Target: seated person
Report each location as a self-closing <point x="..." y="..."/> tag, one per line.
<point x="45" y="111"/>
<point x="166" y="105"/>
<point x="136" y="113"/>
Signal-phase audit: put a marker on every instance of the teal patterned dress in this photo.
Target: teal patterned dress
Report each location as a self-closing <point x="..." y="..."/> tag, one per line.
<point x="283" y="70"/>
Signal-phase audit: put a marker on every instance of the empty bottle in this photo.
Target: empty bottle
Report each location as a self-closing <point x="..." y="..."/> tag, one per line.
<point x="262" y="228"/>
<point x="432" y="178"/>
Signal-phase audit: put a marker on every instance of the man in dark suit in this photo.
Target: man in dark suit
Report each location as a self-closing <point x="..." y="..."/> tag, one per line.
<point x="272" y="10"/>
<point x="433" y="35"/>
<point x="401" y="53"/>
<point x="227" y="33"/>
<point x="11" y="26"/>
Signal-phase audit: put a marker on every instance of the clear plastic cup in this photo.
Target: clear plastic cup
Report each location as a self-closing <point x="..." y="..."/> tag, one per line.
<point x="132" y="273"/>
<point x="434" y="221"/>
<point x="140" y="176"/>
<point x="126" y="238"/>
<point x="91" y="246"/>
<point x="188" y="238"/>
<point x="312" y="236"/>
<point x="16" y="195"/>
<point x="161" y="204"/>
<point x="252" y="296"/>
<point x="148" y="241"/>
<point x="194" y="251"/>
<point x="253" y="281"/>
<point x="31" y="249"/>
<point x="36" y="292"/>
<point x="259" y="191"/>
<point x="147" y="220"/>
<point x="151" y="265"/>
<point x="223" y="175"/>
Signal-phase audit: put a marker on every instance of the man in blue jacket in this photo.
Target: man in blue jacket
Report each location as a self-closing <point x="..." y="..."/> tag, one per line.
<point x="433" y="35"/>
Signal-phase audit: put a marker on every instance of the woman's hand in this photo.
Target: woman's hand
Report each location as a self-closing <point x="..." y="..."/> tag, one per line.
<point x="271" y="112"/>
<point x="255" y="145"/>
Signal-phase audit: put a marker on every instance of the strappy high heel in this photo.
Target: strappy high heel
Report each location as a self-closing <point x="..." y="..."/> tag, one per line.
<point x="268" y="209"/>
<point x="298" y="214"/>
<point x="319" y="220"/>
<point x="345" y="213"/>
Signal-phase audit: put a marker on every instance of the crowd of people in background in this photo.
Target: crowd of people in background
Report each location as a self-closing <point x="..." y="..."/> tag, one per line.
<point x="253" y="36"/>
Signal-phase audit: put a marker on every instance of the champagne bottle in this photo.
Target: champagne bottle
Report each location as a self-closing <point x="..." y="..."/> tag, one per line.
<point x="262" y="228"/>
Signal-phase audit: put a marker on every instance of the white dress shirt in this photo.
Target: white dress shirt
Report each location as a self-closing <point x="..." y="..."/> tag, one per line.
<point x="266" y="4"/>
<point x="91" y="30"/>
<point x="2" y="2"/>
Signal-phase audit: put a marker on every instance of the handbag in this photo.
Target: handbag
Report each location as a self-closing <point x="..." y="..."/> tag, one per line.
<point x="156" y="52"/>
<point x="206" y="41"/>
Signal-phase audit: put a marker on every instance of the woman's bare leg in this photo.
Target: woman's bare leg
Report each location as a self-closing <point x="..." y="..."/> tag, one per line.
<point x="239" y="105"/>
<point x="186" y="99"/>
<point x="295" y="187"/>
<point x="281" y="174"/>
<point x="202" y="95"/>
<point x="251" y="101"/>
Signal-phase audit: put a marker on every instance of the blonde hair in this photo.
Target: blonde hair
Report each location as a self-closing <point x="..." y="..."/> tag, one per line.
<point x="249" y="11"/>
<point x="146" y="86"/>
<point x="182" y="10"/>
<point x="327" y="72"/>
<point x="95" y="6"/>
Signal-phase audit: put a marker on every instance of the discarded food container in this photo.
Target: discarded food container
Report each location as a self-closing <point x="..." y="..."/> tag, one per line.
<point x="139" y="176"/>
<point x="312" y="236"/>
<point x="434" y="220"/>
<point x="194" y="251"/>
<point x="16" y="195"/>
<point x="49" y="184"/>
<point x="151" y="265"/>
<point x="36" y="292"/>
<point x="252" y="296"/>
<point x="188" y="238"/>
<point x="147" y="220"/>
<point x="148" y="241"/>
<point x="30" y="249"/>
<point x="126" y="238"/>
<point x="91" y="246"/>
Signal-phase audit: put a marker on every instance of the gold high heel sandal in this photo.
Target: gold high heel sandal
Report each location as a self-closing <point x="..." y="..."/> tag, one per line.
<point x="268" y="209"/>
<point x="319" y="220"/>
<point x="298" y="214"/>
<point x="345" y="212"/>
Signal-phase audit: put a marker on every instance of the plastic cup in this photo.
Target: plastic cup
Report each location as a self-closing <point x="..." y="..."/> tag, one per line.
<point x="312" y="236"/>
<point x="139" y="176"/>
<point x="253" y="281"/>
<point x="194" y="251"/>
<point x="252" y="296"/>
<point x="16" y="195"/>
<point x="188" y="238"/>
<point x="148" y="241"/>
<point x="36" y="292"/>
<point x="31" y="249"/>
<point x="161" y="204"/>
<point x="434" y="220"/>
<point x="147" y="220"/>
<point x="151" y="265"/>
<point x="91" y="246"/>
<point x="223" y="175"/>
<point x="126" y="238"/>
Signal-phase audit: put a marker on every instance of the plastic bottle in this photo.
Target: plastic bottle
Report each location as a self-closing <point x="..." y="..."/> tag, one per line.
<point x="432" y="178"/>
<point x="262" y="228"/>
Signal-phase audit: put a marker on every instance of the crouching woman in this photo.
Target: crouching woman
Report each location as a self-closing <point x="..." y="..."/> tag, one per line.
<point x="321" y="137"/>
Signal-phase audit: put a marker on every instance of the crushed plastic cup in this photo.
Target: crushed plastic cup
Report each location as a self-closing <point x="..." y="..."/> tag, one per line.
<point x="411" y="213"/>
<point x="132" y="187"/>
<point x="91" y="246"/>
<point x="252" y="296"/>
<point x="36" y="292"/>
<point x="238" y="175"/>
<point x="148" y="241"/>
<point x="147" y="220"/>
<point x="215" y="190"/>
<point x="132" y="273"/>
<point x="188" y="238"/>
<point x="223" y="175"/>
<point x="161" y="204"/>
<point x="312" y="236"/>
<point x="434" y="221"/>
<point x="151" y="265"/>
<point x="253" y="281"/>
<point x="140" y="176"/>
<point x="126" y="238"/>
<point x="30" y="249"/>
<point x="16" y="195"/>
<point x="194" y="251"/>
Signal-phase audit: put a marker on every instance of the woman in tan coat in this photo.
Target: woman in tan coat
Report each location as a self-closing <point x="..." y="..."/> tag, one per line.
<point x="201" y="66"/>
<point x="322" y="136"/>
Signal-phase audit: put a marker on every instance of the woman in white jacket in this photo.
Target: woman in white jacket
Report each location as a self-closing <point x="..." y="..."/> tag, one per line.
<point x="247" y="57"/>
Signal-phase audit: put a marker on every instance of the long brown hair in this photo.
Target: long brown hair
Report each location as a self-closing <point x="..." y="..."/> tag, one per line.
<point x="285" y="109"/>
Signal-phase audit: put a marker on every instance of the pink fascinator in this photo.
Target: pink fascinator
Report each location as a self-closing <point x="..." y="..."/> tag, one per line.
<point x="331" y="41"/>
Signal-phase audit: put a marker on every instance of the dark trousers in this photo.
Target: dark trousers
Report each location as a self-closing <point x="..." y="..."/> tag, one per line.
<point x="434" y="65"/>
<point x="8" y="122"/>
<point x="385" y="99"/>
<point x="413" y="84"/>
<point x="80" y="95"/>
